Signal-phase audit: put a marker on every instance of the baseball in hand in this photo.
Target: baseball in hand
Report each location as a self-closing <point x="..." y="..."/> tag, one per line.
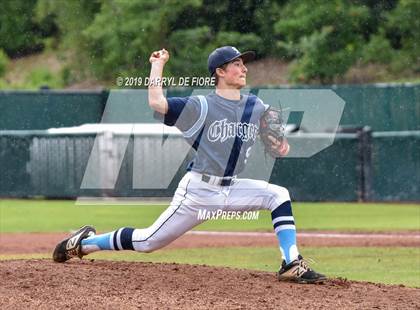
<point x="159" y="56"/>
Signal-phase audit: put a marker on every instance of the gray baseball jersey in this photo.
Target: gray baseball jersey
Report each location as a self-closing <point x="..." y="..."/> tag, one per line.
<point x="222" y="131"/>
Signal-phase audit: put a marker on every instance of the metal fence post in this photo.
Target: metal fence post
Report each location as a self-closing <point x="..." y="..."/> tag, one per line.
<point x="365" y="156"/>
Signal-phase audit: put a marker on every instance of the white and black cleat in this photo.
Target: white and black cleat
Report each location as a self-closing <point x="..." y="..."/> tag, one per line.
<point x="71" y="247"/>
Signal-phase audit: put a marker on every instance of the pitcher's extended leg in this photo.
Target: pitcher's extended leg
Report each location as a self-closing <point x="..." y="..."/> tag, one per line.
<point x="178" y="218"/>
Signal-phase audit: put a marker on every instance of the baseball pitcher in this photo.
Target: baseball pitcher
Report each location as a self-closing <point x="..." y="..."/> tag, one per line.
<point x="222" y="127"/>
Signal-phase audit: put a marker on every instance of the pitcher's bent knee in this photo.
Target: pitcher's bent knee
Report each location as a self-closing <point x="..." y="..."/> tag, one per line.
<point x="280" y="195"/>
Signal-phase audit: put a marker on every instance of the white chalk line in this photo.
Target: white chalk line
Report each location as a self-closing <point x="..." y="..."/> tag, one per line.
<point x="305" y="234"/>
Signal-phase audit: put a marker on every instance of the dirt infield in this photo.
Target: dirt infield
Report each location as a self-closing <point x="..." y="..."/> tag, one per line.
<point x="42" y="284"/>
<point x="26" y="243"/>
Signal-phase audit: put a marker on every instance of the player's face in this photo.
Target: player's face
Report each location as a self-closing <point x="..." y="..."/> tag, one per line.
<point x="235" y="74"/>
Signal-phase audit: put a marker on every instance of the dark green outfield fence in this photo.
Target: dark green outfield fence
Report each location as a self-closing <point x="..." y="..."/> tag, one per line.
<point x="395" y="166"/>
<point x="30" y="110"/>
<point x="383" y="108"/>
<point x="382" y="165"/>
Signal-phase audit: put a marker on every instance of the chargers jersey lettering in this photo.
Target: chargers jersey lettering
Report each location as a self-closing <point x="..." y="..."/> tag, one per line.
<point x="222" y="131"/>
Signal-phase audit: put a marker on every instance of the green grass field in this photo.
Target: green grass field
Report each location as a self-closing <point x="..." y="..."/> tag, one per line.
<point x="395" y="265"/>
<point x="59" y="216"/>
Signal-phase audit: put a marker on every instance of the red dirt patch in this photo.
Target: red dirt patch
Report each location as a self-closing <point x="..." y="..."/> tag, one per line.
<point x="26" y="243"/>
<point x="29" y="284"/>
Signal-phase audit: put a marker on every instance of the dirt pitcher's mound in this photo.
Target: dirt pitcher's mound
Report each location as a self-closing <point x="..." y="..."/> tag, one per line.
<point x="33" y="284"/>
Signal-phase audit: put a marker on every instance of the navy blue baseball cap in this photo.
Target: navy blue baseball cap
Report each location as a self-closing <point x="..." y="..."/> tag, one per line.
<point x="225" y="54"/>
